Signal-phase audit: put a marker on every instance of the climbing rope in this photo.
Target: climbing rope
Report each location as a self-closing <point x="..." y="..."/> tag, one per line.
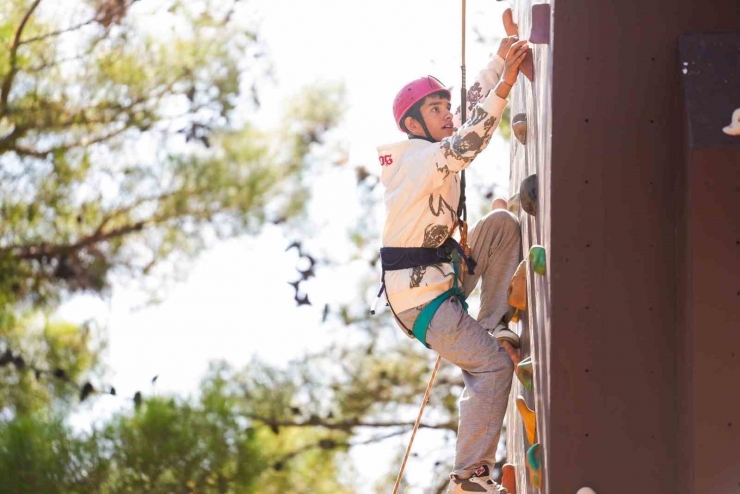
<point x="416" y="425"/>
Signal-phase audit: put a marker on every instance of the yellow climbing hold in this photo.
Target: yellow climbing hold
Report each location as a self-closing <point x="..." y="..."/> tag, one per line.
<point x="529" y="418"/>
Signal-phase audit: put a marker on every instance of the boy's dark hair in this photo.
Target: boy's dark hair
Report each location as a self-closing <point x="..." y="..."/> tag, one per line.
<point x="415" y="111"/>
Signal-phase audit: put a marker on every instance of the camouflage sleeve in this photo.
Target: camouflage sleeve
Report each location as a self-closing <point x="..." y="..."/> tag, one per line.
<point x="457" y="151"/>
<point x="483" y="84"/>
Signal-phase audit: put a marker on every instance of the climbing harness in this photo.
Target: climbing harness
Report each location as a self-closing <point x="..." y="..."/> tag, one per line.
<point x="395" y="257"/>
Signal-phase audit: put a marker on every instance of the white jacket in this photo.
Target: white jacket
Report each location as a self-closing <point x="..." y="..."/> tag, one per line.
<point x="422" y="190"/>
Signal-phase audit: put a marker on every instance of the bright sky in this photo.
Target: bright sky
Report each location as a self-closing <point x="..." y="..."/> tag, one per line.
<point x="236" y="302"/>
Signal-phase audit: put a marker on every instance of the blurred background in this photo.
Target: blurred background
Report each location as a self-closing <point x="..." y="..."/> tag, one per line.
<point x="190" y="227"/>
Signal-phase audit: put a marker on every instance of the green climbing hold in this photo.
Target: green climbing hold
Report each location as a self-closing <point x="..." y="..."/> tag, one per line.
<point x="534" y="465"/>
<point x="528" y="194"/>
<point x="537" y="259"/>
<point x="524" y="373"/>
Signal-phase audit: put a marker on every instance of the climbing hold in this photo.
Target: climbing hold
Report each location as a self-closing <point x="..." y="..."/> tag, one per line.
<point x="524" y="373"/>
<point x="528" y="194"/>
<point x="537" y="259"/>
<point x="527" y="66"/>
<point x="519" y="124"/>
<point x="508" y="478"/>
<point x="534" y="465"/>
<point x="517" y="293"/>
<point x="540" y="32"/>
<point x="513" y="205"/>
<point x="509" y="25"/>
<point x="734" y="128"/>
<point x="586" y="490"/>
<point x="529" y="418"/>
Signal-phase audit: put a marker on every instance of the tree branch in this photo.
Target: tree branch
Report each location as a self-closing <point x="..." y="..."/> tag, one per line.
<point x="75" y="27"/>
<point x="43" y="154"/>
<point x="45" y="250"/>
<point x="8" y="82"/>
<point x="346" y="425"/>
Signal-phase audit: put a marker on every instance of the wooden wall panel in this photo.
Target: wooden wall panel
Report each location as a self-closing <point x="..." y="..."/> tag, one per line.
<point x="532" y="98"/>
<point x="630" y="391"/>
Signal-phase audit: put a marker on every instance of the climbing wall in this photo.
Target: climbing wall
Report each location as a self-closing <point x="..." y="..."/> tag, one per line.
<point x="633" y="330"/>
<point x="530" y="155"/>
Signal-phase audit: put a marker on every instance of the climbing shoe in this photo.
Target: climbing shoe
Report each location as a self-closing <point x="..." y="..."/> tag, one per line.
<point x="481" y="481"/>
<point x="503" y="333"/>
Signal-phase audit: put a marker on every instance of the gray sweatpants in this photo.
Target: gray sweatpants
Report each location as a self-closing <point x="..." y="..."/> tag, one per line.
<point x="486" y="367"/>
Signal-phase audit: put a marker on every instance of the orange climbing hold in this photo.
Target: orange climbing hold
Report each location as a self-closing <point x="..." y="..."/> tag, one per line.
<point x="529" y="418"/>
<point x="517" y="292"/>
<point x="508" y="478"/>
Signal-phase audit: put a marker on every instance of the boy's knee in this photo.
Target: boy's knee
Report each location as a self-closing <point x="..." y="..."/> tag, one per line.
<point x="504" y="220"/>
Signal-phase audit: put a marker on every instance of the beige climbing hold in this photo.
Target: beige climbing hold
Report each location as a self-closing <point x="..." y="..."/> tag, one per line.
<point x="519" y="125"/>
<point x="529" y="417"/>
<point x="734" y="128"/>
<point x="586" y="490"/>
<point x="513" y="205"/>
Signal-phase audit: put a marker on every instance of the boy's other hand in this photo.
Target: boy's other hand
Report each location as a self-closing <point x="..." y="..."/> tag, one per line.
<point x="514" y="59"/>
<point x="505" y="45"/>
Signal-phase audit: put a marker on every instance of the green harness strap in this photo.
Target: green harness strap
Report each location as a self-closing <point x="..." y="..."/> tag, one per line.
<point x="421" y="325"/>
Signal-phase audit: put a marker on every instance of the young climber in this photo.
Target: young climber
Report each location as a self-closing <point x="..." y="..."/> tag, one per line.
<point x="422" y="195"/>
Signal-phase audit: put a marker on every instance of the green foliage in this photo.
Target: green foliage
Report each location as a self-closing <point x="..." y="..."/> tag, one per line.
<point x="121" y="149"/>
<point x="49" y="359"/>
<point x="504" y="125"/>
<point x="169" y="445"/>
<point x="126" y="146"/>
<point x="40" y="454"/>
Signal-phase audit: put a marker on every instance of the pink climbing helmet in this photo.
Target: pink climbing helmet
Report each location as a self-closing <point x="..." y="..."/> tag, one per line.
<point x="414" y="92"/>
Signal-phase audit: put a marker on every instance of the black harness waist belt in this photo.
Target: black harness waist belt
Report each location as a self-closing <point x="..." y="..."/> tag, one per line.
<point x="395" y="258"/>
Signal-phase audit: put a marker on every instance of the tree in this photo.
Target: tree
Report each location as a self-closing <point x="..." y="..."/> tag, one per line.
<point x="128" y="152"/>
<point x="125" y="148"/>
<point x="166" y="445"/>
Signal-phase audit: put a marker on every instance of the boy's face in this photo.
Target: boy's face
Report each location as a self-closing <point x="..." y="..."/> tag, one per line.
<point x="437" y="116"/>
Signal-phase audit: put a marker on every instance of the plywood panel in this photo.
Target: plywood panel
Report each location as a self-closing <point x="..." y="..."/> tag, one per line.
<point x="532" y="99"/>
<point x="623" y="377"/>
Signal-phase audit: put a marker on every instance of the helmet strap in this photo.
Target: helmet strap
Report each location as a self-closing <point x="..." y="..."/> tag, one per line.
<point x="427" y="135"/>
